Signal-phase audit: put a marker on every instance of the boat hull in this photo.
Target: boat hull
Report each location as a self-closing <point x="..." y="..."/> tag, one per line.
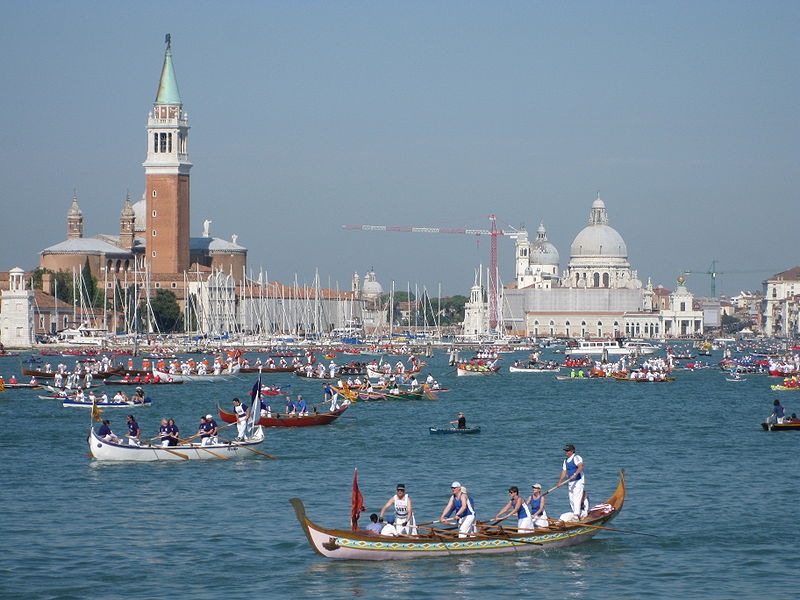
<point x="103" y="405"/>
<point x="780" y="426"/>
<point x="110" y="451"/>
<point x="289" y="420"/>
<point x="513" y="369"/>
<point x="447" y="430"/>
<point x="225" y="376"/>
<point x="348" y="545"/>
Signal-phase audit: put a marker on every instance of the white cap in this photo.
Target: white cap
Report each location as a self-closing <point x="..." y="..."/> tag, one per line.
<point x="456" y="484"/>
<point x="209" y="417"/>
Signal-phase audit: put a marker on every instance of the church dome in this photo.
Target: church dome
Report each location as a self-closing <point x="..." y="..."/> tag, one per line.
<point x="371" y="288"/>
<point x="599" y="239"/>
<point x="543" y="252"/>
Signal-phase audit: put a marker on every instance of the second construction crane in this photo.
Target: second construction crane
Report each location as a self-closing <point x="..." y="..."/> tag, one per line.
<point x="493" y="232"/>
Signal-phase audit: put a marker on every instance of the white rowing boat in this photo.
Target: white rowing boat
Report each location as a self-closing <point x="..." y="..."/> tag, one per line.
<point x="226" y="375"/>
<point x="112" y="451"/>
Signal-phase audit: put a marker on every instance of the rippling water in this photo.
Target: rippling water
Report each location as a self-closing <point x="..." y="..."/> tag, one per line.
<point x="719" y="493"/>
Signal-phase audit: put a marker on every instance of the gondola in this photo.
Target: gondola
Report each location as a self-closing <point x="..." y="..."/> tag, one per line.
<point x="114" y="451"/>
<point x="447" y="430"/>
<point x="284" y="420"/>
<point x="51" y="375"/>
<point x="225" y="375"/>
<point x="344" y="544"/>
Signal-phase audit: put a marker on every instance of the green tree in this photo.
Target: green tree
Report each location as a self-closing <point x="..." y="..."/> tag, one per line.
<point x="166" y="312"/>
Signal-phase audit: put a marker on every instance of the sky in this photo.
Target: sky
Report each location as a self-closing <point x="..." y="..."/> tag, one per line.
<point x="307" y="116"/>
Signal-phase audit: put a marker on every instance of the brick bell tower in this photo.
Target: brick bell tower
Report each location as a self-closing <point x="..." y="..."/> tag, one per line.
<point x="167" y="176"/>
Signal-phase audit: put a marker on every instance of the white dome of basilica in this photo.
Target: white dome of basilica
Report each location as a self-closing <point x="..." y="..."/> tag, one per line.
<point x="599" y="239"/>
<point x="543" y="252"/>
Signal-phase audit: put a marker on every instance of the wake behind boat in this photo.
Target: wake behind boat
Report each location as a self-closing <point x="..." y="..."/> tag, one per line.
<point x="355" y="545"/>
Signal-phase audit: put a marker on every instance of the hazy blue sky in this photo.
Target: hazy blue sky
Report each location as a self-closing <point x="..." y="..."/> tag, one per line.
<point x="309" y="115"/>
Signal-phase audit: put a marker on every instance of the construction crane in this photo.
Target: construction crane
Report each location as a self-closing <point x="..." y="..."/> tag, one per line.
<point x="712" y="271"/>
<point x="492" y="231"/>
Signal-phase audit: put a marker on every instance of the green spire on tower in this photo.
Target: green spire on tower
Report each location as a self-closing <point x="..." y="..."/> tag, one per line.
<point x="168" y="85"/>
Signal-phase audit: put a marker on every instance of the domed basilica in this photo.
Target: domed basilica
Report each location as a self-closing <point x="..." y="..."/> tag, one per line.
<point x="597" y="295"/>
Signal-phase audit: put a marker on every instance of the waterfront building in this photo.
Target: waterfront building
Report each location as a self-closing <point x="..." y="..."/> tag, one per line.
<point x="781" y="311"/>
<point x="598" y="294"/>
<point x="154" y="249"/>
<point x="16" y="312"/>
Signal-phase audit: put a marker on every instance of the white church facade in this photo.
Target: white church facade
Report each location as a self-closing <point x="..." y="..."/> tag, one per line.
<point x="597" y="295"/>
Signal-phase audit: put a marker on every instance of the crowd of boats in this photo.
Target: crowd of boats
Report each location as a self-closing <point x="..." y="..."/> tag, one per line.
<point x="348" y="377"/>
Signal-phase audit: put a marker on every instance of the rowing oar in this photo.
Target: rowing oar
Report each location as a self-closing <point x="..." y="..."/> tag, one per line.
<point x="183" y="456"/>
<point x="248" y="448"/>
<point x="200" y="447"/>
<point x="483" y="537"/>
<point x="578" y="523"/>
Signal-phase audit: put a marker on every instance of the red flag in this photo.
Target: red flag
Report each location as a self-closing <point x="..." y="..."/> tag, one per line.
<point x="357" y="506"/>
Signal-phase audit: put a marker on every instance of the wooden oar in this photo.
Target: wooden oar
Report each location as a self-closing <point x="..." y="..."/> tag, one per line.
<point x="480" y="536"/>
<point x="601" y="527"/>
<point x="200" y="447"/>
<point x="183" y="456"/>
<point x="248" y="448"/>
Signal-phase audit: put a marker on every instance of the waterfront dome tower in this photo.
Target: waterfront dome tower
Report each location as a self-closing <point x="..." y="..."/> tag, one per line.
<point x="599" y="256"/>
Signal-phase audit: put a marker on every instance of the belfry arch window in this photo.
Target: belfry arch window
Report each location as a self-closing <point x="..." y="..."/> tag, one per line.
<point x="606" y="280"/>
<point x="596" y="280"/>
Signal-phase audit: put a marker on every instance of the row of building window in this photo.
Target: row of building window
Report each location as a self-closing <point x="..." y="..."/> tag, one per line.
<point x="141" y="285"/>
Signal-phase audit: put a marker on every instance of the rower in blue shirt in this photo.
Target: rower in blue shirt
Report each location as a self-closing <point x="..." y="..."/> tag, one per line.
<point x="290" y="408"/>
<point x="133" y="431"/>
<point x="105" y="433"/>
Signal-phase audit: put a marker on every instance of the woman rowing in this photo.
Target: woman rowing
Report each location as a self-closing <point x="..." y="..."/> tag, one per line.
<point x="536" y="504"/>
<point x="516" y="505"/>
<point x="461" y="507"/>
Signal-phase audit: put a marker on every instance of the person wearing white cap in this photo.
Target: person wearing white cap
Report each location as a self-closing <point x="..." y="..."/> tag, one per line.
<point x="572" y="473"/>
<point x="461" y="507"/>
<point x="536" y="504"/>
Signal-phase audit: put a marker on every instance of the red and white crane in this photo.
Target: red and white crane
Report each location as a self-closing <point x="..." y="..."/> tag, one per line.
<point x="493" y="232"/>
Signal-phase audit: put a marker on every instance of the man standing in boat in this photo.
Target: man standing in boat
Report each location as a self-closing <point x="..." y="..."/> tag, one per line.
<point x="572" y="473"/>
<point x="404" y="521"/>
<point x="242" y="413"/>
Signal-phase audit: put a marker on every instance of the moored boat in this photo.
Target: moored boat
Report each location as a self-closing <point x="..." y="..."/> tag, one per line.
<point x="350" y="545"/>
<point x="113" y="451"/>
<point x="284" y="420"/>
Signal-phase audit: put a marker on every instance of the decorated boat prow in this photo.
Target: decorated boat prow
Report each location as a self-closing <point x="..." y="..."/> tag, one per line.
<point x="360" y="545"/>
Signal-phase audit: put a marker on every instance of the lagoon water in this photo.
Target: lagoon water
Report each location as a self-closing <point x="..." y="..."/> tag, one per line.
<point x="720" y="493"/>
